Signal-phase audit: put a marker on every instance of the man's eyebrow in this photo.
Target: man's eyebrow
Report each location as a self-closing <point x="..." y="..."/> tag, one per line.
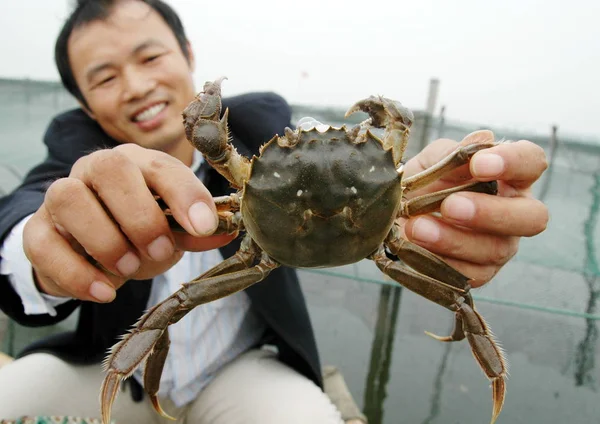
<point x="146" y="44"/>
<point x="137" y="50"/>
<point x="96" y="70"/>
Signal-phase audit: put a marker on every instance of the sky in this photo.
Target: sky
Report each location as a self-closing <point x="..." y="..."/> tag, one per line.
<point x="516" y="64"/>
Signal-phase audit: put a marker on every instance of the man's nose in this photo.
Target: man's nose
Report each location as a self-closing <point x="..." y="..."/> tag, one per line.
<point x="137" y="84"/>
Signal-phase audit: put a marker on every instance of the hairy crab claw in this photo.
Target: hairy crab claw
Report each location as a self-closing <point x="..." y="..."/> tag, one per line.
<point x="383" y="112"/>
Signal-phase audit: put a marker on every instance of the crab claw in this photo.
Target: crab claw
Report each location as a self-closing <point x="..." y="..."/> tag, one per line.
<point x="391" y="115"/>
<point x="206" y="105"/>
<point x="383" y="112"/>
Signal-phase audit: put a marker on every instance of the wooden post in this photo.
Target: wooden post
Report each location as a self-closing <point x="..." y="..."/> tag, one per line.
<point x="434" y="85"/>
<point x="381" y="353"/>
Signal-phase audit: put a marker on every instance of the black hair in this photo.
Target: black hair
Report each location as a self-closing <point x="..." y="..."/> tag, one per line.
<point x="87" y="11"/>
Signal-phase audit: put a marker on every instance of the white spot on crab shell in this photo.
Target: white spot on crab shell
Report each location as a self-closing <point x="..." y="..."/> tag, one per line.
<point x="353" y="190"/>
<point x="372" y="169"/>
<point x="299" y="193"/>
<point x="276" y="175"/>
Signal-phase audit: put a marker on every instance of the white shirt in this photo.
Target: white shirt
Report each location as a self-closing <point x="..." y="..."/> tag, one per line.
<point x="207" y="338"/>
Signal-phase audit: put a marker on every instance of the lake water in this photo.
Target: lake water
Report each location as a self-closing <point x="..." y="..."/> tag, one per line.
<point x="542" y="305"/>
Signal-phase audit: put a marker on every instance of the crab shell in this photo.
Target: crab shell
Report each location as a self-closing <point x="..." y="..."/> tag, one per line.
<point x="324" y="201"/>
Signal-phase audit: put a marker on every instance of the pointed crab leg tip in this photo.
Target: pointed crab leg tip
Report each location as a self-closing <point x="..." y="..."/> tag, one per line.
<point x="158" y="408"/>
<point x="439" y="338"/>
<point x="498" y="391"/>
<point x="108" y="394"/>
<point x="225" y="115"/>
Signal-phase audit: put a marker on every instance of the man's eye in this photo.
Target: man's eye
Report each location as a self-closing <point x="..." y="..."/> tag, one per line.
<point x="106" y="80"/>
<point x="152" y="58"/>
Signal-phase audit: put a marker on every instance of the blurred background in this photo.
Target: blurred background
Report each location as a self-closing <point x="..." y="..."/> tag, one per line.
<point x="525" y="69"/>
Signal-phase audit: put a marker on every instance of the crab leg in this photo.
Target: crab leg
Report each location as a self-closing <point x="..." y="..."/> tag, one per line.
<point x="431" y="202"/>
<point x="460" y="156"/>
<point x="208" y="132"/>
<point x="156" y="361"/>
<point x="147" y="340"/>
<point x="154" y="369"/>
<point x="485" y="349"/>
<point x="230" y="219"/>
<point x="425" y="262"/>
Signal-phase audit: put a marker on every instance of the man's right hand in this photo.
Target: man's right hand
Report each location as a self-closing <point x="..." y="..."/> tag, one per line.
<point x="106" y="209"/>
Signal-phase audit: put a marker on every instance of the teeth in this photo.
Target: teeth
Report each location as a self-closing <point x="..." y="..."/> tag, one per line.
<point x="149" y="113"/>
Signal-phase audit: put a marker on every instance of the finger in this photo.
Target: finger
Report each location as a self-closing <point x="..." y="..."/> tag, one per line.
<point x="120" y="185"/>
<point x="62" y="271"/>
<point x="479" y="274"/>
<point x="520" y="163"/>
<point x="76" y="213"/>
<point x="189" y="200"/>
<point x="460" y="243"/>
<point x="200" y="244"/>
<point x="508" y="216"/>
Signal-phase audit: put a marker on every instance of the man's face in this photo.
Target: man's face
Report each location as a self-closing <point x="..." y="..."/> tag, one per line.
<point x="134" y="77"/>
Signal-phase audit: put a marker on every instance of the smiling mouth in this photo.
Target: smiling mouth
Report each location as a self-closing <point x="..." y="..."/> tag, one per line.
<point x="149" y="113"/>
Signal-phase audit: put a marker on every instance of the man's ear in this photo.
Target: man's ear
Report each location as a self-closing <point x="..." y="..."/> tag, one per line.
<point x="191" y="58"/>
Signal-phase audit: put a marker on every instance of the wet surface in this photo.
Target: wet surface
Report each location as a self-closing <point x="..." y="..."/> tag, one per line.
<point x="374" y="333"/>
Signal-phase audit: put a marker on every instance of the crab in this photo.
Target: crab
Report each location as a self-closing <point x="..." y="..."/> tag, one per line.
<point x="314" y="197"/>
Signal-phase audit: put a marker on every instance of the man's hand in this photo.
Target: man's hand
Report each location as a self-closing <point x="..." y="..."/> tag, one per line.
<point x="479" y="233"/>
<point x="106" y="209"/>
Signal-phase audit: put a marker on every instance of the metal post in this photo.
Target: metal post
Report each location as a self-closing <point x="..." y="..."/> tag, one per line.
<point x="442" y="122"/>
<point x="548" y="173"/>
<point x="434" y="85"/>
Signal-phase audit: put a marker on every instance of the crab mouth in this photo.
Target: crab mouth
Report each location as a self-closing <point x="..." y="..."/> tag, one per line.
<point x="149" y="113"/>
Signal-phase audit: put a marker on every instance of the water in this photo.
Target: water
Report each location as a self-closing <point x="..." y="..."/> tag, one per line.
<point x="542" y="305"/>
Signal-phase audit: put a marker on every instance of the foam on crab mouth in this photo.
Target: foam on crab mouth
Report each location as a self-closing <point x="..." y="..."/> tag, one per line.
<point x="308" y="123"/>
<point x="150" y="113"/>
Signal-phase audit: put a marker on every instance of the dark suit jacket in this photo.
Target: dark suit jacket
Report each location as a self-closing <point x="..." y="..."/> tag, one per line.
<point x="253" y="119"/>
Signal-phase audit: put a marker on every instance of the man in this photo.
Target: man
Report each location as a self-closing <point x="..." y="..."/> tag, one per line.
<point x="130" y="66"/>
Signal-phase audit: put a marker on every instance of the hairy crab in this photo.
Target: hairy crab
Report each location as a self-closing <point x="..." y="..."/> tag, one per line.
<point x="309" y="192"/>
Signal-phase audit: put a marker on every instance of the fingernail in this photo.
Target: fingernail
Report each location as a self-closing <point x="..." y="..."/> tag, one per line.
<point x="128" y="264"/>
<point x="459" y="208"/>
<point x="202" y="218"/>
<point x="425" y="230"/>
<point x="161" y="249"/>
<point x="102" y="291"/>
<point x="488" y="165"/>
